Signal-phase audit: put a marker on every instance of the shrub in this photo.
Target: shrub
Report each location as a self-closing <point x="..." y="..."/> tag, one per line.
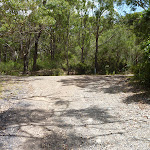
<point x="57" y="72"/>
<point x="82" y="68"/>
<point x="142" y="73"/>
<point x="10" y="68"/>
<point x="142" y="70"/>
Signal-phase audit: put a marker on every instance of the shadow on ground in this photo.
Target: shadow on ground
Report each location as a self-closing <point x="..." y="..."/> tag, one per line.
<point x="107" y="84"/>
<point x="95" y="113"/>
<point x="16" y="79"/>
<point x="48" y="121"/>
<point x="143" y="98"/>
<point x="57" y="141"/>
<point x="110" y="84"/>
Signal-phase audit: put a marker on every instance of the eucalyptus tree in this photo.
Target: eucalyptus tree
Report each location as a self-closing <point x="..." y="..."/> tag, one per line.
<point x="42" y="19"/>
<point x="104" y="9"/>
<point x="37" y="21"/>
<point x="145" y="4"/>
<point x="25" y="21"/>
<point x="59" y="32"/>
<point x="83" y="27"/>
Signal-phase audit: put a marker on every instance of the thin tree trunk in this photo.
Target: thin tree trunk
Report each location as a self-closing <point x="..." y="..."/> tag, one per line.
<point x="67" y="49"/>
<point x="96" y="52"/>
<point x="26" y="55"/>
<point x="51" y="45"/>
<point x="67" y="43"/>
<point x="25" y="68"/>
<point x="54" y="46"/>
<point x="82" y="49"/>
<point x="35" y="51"/>
<point x="0" y="55"/>
<point x="82" y="54"/>
<point x="5" y="54"/>
<point x="64" y="45"/>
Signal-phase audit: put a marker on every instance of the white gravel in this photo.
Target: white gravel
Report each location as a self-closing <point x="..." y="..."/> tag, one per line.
<point x="73" y="113"/>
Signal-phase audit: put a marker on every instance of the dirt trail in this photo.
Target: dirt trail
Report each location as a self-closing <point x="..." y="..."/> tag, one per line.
<point x="73" y="113"/>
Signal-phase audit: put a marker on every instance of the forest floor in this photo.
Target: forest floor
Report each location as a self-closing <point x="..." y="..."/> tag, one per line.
<point x="73" y="113"/>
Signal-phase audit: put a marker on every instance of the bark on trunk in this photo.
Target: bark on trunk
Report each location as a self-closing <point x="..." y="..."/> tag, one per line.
<point x="67" y="43"/>
<point x="36" y="51"/>
<point x="67" y="50"/>
<point x="82" y="55"/>
<point x="25" y="68"/>
<point x="52" y="44"/>
<point x="5" y="54"/>
<point x="26" y="55"/>
<point x="0" y="56"/>
<point x="96" y="51"/>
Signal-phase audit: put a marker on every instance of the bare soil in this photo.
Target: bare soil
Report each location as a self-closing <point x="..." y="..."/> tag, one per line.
<point x="73" y="113"/>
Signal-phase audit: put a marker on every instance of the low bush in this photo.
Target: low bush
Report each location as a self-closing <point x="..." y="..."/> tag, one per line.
<point x="82" y="68"/>
<point x="57" y="72"/>
<point x="10" y="68"/>
<point x="142" y="70"/>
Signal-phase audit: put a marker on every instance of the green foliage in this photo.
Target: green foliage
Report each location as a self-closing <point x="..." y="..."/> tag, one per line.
<point x="118" y="53"/>
<point x="134" y="3"/>
<point x="47" y="63"/>
<point x="57" y="35"/>
<point x="82" y="68"/>
<point x="142" y="70"/>
<point x="10" y="68"/>
<point x="142" y="73"/>
<point x="57" y="72"/>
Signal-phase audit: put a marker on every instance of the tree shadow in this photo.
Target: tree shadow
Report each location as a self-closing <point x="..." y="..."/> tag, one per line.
<point x="107" y="84"/>
<point x="1" y="145"/>
<point x="7" y="78"/>
<point x="23" y="116"/>
<point x="95" y="113"/>
<point x="49" y="121"/>
<point x="124" y="86"/>
<point x="57" y="141"/>
<point x="111" y="85"/>
<point x="143" y="98"/>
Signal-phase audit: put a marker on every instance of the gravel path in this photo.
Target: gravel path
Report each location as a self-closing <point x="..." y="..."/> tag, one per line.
<point x="73" y="113"/>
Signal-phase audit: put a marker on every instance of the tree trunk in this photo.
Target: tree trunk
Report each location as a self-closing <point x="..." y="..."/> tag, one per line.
<point x="35" y="51"/>
<point x="52" y="44"/>
<point x="67" y="49"/>
<point x="82" y="55"/>
<point x="96" y="52"/>
<point x="25" y="68"/>
<point x="64" y="46"/>
<point x="82" y="49"/>
<point x="5" y="54"/>
<point x="26" y="55"/>
<point x="67" y="43"/>
<point x="0" y="55"/>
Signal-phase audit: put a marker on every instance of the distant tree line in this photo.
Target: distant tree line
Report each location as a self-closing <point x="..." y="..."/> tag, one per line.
<point x="74" y="36"/>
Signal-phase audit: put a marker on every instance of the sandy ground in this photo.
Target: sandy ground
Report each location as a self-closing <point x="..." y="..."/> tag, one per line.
<point x="73" y="113"/>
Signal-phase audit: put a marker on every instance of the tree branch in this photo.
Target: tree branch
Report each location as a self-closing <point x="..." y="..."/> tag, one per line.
<point x="107" y="40"/>
<point x="140" y="4"/>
